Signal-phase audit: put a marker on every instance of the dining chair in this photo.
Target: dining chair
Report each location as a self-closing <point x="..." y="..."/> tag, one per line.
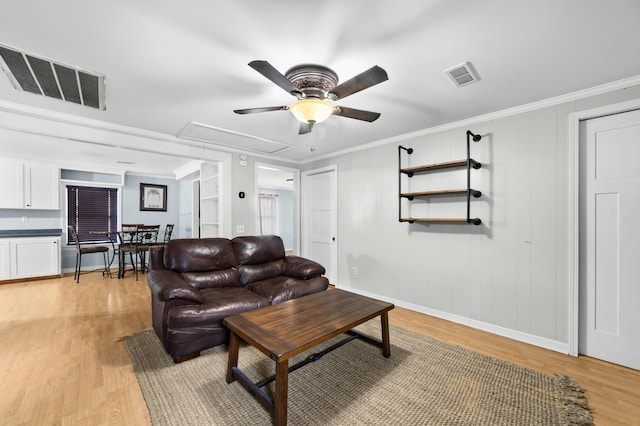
<point x="126" y="238"/>
<point x="87" y="249"/>
<point x="137" y="247"/>
<point x="149" y="238"/>
<point x="168" y="230"/>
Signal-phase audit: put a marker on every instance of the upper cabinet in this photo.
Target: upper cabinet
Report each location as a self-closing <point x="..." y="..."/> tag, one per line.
<point x="29" y="186"/>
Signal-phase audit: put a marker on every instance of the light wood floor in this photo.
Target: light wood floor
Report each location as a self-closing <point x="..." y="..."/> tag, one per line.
<point x="63" y="361"/>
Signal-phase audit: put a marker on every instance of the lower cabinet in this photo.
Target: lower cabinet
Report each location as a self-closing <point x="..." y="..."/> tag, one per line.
<point x="29" y="257"/>
<point x="5" y="260"/>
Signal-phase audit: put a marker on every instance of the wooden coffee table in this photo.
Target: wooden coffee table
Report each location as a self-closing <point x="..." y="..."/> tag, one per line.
<point x="289" y="328"/>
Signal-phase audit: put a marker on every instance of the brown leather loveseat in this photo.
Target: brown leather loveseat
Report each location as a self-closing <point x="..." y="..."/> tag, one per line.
<point x="196" y="283"/>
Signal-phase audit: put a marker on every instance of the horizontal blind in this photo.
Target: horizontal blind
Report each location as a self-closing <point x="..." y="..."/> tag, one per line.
<point x="92" y="209"/>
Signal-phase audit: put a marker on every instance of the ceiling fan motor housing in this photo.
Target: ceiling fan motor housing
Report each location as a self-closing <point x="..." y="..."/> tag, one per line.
<point x="314" y="81"/>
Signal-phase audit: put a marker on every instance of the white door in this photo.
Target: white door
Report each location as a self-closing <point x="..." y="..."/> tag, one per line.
<point x="609" y="235"/>
<point x="319" y="219"/>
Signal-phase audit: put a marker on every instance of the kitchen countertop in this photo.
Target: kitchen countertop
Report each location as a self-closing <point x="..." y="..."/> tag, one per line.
<point x="21" y="233"/>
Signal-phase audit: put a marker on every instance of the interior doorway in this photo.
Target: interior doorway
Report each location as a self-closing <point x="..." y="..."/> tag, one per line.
<point x="277" y="204"/>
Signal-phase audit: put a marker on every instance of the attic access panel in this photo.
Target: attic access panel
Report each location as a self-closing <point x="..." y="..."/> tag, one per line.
<point x="41" y="76"/>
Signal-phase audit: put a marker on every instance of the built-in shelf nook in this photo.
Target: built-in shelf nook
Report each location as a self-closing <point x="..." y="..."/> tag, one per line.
<point x="469" y="163"/>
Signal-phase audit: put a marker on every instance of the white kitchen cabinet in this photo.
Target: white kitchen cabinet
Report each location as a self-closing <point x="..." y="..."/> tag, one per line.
<point x="5" y="260"/>
<point x="29" y="186"/>
<point x="34" y="257"/>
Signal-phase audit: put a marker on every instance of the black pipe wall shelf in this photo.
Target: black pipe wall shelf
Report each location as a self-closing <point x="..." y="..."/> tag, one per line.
<point x="469" y="163"/>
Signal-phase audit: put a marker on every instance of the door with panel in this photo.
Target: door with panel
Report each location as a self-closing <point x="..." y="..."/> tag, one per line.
<point x="319" y="219"/>
<point x="609" y="233"/>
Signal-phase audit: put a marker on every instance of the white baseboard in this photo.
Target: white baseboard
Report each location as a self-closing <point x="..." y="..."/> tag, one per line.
<point x="519" y="336"/>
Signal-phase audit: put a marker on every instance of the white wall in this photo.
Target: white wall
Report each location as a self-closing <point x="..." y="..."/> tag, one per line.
<point x="244" y="180"/>
<point x="131" y="212"/>
<point x="508" y="275"/>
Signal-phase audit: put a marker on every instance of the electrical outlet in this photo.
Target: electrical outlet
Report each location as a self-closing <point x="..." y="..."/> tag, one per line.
<point x="355" y="270"/>
<point x="240" y="229"/>
<point x="25" y="219"/>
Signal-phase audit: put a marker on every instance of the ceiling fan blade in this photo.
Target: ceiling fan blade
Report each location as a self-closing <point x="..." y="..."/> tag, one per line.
<point x="267" y="70"/>
<point x="358" y="114"/>
<point x="306" y="127"/>
<point x="370" y="77"/>
<point x="262" y="109"/>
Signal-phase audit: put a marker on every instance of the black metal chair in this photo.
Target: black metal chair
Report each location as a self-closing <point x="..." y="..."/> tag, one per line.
<point x="168" y="230"/>
<point x="126" y="238"/>
<point x="87" y="249"/>
<point x="138" y="246"/>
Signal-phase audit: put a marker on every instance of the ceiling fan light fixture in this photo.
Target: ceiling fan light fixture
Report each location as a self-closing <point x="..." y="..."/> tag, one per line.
<point x="316" y="110"/>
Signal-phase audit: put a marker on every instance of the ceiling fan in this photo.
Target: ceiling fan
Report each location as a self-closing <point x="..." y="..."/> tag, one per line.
<point x="313" y="85"/>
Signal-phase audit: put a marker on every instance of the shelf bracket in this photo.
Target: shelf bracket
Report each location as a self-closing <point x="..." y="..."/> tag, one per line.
<point x="409" y="151"/>
<point x="476" y="194"/>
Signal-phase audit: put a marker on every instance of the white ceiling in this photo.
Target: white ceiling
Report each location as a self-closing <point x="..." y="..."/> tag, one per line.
<point x="169" y="63"/>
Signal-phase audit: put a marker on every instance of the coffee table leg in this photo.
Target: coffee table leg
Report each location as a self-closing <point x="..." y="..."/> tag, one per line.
<point x="386" y="344"/>
<point x="234" y="346"/>
<point x="281" y="393"/>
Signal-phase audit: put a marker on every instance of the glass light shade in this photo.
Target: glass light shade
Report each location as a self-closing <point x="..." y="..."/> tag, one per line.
<point x="314" y="110"/>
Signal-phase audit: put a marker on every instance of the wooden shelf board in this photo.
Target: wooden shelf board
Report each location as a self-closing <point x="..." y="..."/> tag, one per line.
<point x="440" y="192"/>
<point x="437" y="166"/>
<point x="438" y="219"/>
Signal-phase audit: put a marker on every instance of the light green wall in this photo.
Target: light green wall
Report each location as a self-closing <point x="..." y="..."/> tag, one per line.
<point x="511" y="271"/>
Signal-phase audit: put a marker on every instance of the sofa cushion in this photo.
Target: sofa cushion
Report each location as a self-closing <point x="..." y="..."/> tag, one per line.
<point x="198" y="255"/>
<point x="251" y="250"/>
<point x="208" y="279"/>
<point x="259" y="272"/>
<point x="219" y="303"/>
<point x="280" y="289"/>
<point x="299" y="267"/>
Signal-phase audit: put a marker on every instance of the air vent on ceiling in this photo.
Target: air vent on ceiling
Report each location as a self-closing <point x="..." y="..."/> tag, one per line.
<point x="34" y="74"/>
<point x="462" y="74"/>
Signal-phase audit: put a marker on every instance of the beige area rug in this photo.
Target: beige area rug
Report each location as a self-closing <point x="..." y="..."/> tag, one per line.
<point x="425" y="382"/>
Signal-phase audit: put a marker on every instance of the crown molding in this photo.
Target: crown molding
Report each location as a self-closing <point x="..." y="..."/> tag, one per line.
<point x="569" y="97"/>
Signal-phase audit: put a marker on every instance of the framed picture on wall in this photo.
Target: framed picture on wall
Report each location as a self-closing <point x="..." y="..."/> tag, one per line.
<point x="153" y="197"/>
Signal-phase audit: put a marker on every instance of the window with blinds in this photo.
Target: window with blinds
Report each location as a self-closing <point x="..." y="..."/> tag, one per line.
<point x="92" y="209"/>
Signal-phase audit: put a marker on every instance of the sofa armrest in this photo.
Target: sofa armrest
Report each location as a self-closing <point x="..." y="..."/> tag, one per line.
<point x="299" y="267"/>
<point x="156" y="254"/>
<point x="169" y="285"/>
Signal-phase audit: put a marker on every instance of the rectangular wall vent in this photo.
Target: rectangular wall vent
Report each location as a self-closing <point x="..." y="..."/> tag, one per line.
<point x="34" y="74"/>
<point x="462" y="74"/>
